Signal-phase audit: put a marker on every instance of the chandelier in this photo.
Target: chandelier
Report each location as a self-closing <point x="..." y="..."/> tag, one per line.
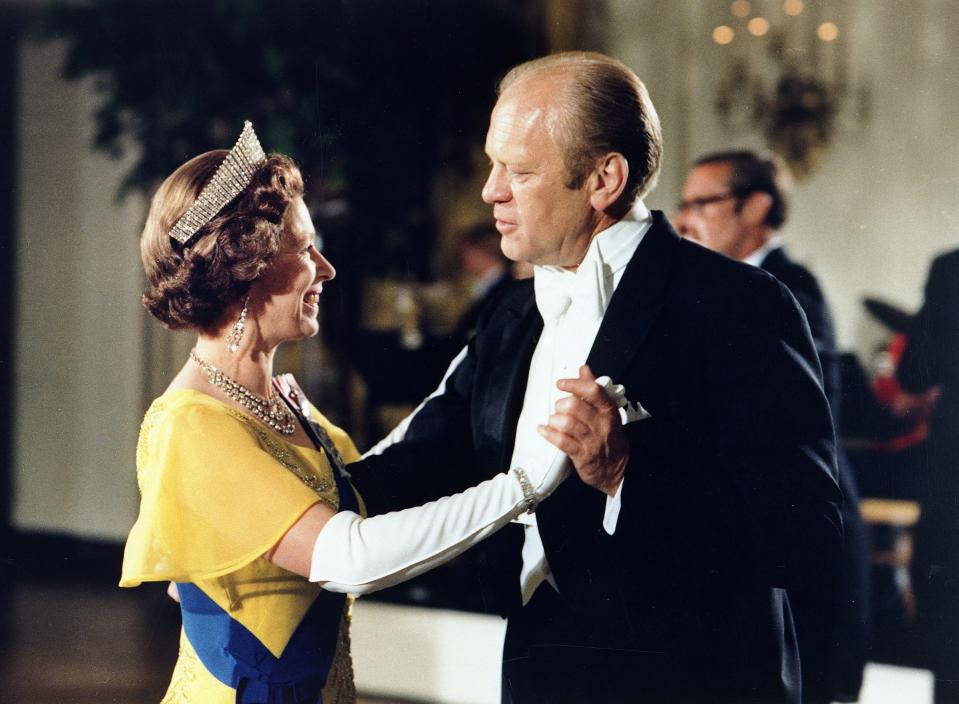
<point x="787" y="75"/>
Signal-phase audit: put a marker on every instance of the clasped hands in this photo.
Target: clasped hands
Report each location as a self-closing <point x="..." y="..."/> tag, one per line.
<point x="586" y="425"/>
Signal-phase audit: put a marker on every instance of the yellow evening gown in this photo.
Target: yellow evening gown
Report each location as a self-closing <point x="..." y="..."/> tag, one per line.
<point x="218" y="489"/>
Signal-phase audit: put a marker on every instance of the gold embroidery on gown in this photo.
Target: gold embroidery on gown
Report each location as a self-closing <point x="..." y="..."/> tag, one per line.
<point x="149" y="420"/>
<point x="325" y="486"/>
<point x="340" y="688"/>
<point x="184" y="675"/>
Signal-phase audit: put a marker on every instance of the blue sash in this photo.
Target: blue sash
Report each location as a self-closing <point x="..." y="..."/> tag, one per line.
<point x="236" y="657"/>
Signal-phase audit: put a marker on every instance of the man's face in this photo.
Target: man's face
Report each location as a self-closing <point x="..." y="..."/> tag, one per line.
<point x="710" y="214"/>
<point x="541" y="220"/>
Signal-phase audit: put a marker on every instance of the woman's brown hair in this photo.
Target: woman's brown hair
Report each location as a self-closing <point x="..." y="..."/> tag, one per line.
<point x="192" y="286"/>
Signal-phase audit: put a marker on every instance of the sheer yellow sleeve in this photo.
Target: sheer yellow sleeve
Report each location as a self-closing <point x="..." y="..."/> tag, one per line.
<point x="217" y="491"/>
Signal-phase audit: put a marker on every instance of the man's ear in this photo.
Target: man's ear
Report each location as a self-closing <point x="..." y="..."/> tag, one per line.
<point x="755" y="207"/>
<point x="607" y="182"/>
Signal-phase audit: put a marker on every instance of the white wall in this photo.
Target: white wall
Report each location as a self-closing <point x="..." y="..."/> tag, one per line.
<point x="79" y="329"/>
<point x="884" y="198"/>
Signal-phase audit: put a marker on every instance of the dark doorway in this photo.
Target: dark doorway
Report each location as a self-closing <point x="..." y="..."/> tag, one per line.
<point x="10" y="29"/>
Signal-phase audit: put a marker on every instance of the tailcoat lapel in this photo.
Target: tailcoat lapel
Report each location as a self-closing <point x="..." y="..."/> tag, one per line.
<point x="632" y="310"/>
<point x="506" y="383"/>
<point x="638" y="299"/>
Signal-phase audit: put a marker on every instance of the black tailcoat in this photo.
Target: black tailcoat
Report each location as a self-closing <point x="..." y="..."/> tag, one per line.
<point x="831" y="618"/>
<point x="730" y="492"/>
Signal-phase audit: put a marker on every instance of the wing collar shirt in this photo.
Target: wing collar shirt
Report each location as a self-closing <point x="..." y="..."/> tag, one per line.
<point x="572" y="305"/>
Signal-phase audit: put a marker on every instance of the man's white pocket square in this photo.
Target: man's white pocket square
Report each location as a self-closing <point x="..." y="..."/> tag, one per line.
<point x="629" y="411"/>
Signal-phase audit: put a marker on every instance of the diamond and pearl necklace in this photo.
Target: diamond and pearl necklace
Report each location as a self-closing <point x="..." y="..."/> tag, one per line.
<point x="271" y="411"/>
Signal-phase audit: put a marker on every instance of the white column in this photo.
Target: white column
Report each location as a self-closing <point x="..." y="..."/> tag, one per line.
<point x="80" y="329"/>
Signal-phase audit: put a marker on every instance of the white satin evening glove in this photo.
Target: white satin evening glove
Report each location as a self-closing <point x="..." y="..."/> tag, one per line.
<point x="360" y="555"/>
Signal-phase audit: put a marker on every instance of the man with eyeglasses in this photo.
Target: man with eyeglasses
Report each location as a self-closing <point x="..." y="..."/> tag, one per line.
<point x="735" y="203"/>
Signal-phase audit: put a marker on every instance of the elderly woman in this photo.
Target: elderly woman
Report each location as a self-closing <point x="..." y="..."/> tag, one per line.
<point x="245" y="503"/>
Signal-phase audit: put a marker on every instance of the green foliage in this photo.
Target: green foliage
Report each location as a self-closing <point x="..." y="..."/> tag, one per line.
<point x="370" y="97"/>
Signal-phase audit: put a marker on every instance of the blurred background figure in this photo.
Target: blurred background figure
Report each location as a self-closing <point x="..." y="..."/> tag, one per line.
<point x="883" y="426"/>
<point x="883" y="429"/>
<point x="422" y="326"/>
<point x="489" y="274"/>
<point x="930" y="360"/>
<point x="735" y="203"/>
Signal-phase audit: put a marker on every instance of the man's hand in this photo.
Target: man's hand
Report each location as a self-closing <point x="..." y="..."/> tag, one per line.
<point x="587" y="427"/>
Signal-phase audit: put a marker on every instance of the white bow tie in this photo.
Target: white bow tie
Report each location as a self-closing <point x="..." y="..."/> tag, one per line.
<point x="586" y="292"/>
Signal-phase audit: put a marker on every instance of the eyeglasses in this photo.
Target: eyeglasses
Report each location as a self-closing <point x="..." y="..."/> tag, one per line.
<point x="697" y="204"/>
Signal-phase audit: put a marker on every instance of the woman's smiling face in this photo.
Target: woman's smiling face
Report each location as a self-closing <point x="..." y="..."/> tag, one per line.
<point x="292" y="284"/>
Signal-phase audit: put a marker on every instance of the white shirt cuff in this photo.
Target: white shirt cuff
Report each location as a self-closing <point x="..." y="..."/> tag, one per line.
<point x="613" y="504"/>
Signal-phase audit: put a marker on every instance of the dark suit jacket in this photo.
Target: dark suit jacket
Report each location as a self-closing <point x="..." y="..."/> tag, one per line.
<point x="730" y="492"/>
<point x="931" y="358"/>
<point x="831" y="616"/>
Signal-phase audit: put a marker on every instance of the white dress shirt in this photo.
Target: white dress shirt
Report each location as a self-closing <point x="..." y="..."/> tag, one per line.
<point x="569" y="331"/>
<point x="758" y="255"/>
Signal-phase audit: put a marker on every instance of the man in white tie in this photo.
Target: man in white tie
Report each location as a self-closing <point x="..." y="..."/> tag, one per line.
<point x="658" y="575"/>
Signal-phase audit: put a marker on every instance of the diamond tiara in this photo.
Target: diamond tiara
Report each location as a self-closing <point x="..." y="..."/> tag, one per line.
<point x="229" y="180"/>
